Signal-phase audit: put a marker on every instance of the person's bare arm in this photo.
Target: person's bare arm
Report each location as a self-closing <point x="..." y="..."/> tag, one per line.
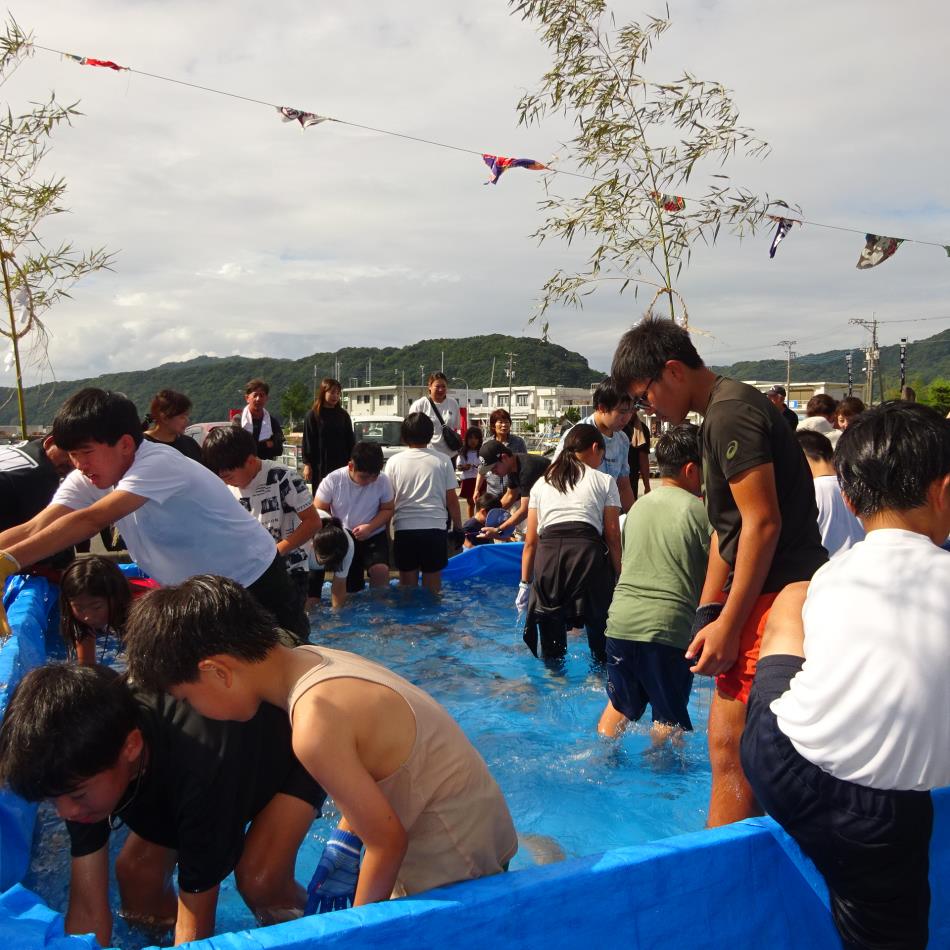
<point x="309" y="525"/>
<point x="644" y="460"/>
<point x="88" y="910"/>
<point x="757" y="500"/>
<point x="512" y="521"/>
<point x="382" y="518"/>
<point x="612" y="535"/>
<point x="530" y="547"/>
<point x="63" y="527"/>
<point x="717" y="573"/>
<point x="324" y="742"/>
<point x="41" y="520"/>
<point x="510" y="496"/>
<point x="626" y="492"/>
<point x="338" y="592"/>
<point x="196" y="915"/>
<point x="455" y="510"/>
<point x="86" y="650"/>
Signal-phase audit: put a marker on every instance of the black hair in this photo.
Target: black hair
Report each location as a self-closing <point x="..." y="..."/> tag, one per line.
<point x="172" y="629"/>
<point x="367" y="457"/>
<point x="168" y="403"/>
<point x="64" y="724"/>
<point x="567" y="469"/>
<point x="821" y="404"/>
<point x="488" y="502"/>
<point x="95" y="415"/>
<point x="644" y="350"/>
<point x="609" y="395"/>
<point x="330" y="544"/>
<point x="226" y="448"/>
<point x="417" y="429"/>
<point x="473" y="431"/>
<point x="92" y="576"/>
<point x="816" y="445"/>
<point x="890" y="455"/>
<point x="499" y="415"/>
<point x="255" y="384"/>
<point x="676" y="447"/>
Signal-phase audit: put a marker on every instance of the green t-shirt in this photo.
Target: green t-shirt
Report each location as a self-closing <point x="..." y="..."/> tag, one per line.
<point x="665" y="550"/>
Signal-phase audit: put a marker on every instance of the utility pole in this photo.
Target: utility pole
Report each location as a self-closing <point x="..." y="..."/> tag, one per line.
<point x="314" y="382"/>
<point x="903" y="364"/>
<point x="789" y="356"/>
<point x="492" y="381"/>
<point x="369" y="372"/>
<point x="510" y="373"/>
<point x="871" y="355"/>
<point x="422" y="375"/>
<point x="443" y="362"/>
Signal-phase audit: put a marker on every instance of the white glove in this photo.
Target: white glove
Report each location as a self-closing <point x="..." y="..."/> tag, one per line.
<point x="521" y="598"/>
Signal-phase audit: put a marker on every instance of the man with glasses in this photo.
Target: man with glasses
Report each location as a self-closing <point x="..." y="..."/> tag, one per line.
<point x="760" y="500"/>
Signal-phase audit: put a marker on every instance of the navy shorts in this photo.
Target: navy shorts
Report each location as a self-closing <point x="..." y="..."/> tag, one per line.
<point x="639" y="673"/>
<point x="871" y="845"/>
<point x="422" y="549"/>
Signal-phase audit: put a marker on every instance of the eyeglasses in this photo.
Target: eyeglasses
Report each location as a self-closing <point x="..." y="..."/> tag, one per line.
<point x="642" y="401"/>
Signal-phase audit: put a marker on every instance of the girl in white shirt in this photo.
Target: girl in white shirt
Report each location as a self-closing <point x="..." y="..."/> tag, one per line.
<point x="468" y="462"/>
<point x="572" y="548"/>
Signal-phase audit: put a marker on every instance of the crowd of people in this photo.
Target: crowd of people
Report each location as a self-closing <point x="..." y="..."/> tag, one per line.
<point x="812" y="546"/>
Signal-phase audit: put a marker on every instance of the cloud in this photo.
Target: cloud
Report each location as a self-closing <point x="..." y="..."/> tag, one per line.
<point x="236" y="232"/>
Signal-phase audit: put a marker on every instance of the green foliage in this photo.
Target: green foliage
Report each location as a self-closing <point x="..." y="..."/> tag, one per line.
<point x="295" y="400"/>
<point x="573" y="414"/>
<point x="936" y="394"/>
<point x="34" y="276"/>
<point x="216" y="385"/>
<point x="640" y="139"/>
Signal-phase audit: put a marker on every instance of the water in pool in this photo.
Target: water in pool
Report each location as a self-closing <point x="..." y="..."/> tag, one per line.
<point x="571" y="793"/>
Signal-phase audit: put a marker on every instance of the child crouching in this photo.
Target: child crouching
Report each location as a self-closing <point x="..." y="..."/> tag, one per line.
<point x="407" y="781"/>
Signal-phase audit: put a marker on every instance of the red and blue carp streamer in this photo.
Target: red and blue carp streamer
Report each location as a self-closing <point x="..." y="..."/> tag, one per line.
<point x="499" y="164"/>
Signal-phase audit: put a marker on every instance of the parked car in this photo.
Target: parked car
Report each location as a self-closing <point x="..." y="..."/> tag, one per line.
<point x="199" y="430"/>
<point x="381" y="429"/>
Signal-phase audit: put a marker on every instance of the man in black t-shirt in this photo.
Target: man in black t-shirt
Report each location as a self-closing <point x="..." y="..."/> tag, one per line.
<point x="760" y="499"/>
<point x="522" y="469"/>
<point x="776" y="396"/>
<point x="186" y="786"/>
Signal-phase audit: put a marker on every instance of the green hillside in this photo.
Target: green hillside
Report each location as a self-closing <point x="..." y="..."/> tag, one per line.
<point x="217" y="384"/>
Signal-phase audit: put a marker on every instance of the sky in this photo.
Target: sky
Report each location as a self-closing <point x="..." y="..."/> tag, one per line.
<point x="235" y="233"/>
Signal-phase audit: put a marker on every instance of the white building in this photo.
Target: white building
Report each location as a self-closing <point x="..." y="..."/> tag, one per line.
<point x="798" y="394"/>
<point x="396" y="400"/>
<point x="531" y="404"/>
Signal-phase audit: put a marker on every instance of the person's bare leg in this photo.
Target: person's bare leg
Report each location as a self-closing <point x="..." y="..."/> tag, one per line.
<point x="612" y="723"/>
<point x="143" y="871"/>
<point x="408" y="578"/>
<point x="663" y="732"/>
<point x="265" y="873"/>
<point x="730" y="799"/>
<point x="432" y="582"/>
<point x="379" y="575"/>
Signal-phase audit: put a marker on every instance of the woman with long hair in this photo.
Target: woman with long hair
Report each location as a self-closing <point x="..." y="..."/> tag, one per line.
<point x="94" y="602"/>
<point x="571" y="553"/>
<point x="327" y="434"/>
<point x="167" y="420"/>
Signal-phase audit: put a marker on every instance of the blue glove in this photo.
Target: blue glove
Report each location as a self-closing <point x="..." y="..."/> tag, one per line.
<point x="333" y="885"/>
<point x="521" y="599"/>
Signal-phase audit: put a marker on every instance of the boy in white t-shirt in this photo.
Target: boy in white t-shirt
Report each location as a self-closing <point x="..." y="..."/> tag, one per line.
<point x="277" y="497"/>
<point x="848" y="724"/>
<point x="176" y="517"/>
<point x="426" y="501"/>
<point x="838" y="526"/>
<point x="362" y="498"/>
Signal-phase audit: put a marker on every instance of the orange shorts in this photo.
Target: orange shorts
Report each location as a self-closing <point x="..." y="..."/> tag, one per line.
<point x="737" y="680"/>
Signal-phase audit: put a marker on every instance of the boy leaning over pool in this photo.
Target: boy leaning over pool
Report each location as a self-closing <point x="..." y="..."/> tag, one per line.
<point x="206" y="797"/>
<point x="849" y="716"/>
<point x="410" y="786"/>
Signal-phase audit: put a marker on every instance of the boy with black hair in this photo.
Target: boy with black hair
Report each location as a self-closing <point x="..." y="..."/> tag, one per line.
<point x="848" y="718"/>
<point x="361" y="496"/>
<point x="613" y="410"/>
<point x="176" y="517"/>
<point x="268" y="435"/>
<point x="665" y="551"/>
<point x="276" y="496"/>
<point x="838" y="526"/>
<point x="761" y="502"/>
<point x="411" y="788"/>
<point x="187" y="787"/>
<point x="425" y="495"/>
<point x="474" y="528"/>
<point x="820" y="413"/>
<point x="522" y="471"/>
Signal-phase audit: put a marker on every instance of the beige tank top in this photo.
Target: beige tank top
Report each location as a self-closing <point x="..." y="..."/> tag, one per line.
<point x="453" y="811"/>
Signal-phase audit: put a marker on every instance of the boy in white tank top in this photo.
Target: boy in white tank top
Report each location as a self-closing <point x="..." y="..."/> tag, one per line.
<point x="411" y="788"/>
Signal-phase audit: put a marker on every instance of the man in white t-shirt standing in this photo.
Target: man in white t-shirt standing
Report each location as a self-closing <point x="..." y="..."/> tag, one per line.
<point x="177" y="518"/>
<point x="848" y="724"/>
<point x="361" y="496"/>
<point x="426" y="500"/>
